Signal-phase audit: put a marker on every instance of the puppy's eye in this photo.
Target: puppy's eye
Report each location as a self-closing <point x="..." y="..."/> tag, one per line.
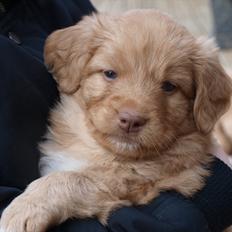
<point x="110" y="74"/>
<point x="167" y="86"/>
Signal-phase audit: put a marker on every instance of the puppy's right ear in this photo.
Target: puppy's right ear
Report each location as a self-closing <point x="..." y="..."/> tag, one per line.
<point x="213" y="87"/>
<point x="67" y="51"/>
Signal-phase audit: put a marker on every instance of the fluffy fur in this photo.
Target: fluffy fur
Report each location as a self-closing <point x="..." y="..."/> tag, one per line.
<point x="91" y="165"/>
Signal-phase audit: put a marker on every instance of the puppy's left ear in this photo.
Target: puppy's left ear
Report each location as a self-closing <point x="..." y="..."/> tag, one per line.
<point x="213" y="87"/>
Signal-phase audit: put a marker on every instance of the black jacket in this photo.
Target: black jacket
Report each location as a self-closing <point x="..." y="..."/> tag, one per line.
<point x="27" y="92"/>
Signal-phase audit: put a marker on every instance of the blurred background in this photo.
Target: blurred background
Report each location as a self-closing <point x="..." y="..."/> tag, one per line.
<point x="211" y="18"/>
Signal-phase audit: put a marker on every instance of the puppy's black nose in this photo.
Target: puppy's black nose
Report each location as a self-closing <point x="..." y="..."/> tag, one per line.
<point x="131" y="121"/>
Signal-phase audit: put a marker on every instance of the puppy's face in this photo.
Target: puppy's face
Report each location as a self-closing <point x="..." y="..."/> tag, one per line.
<point x="138" y="89"/>
<point x="143" y="79"/>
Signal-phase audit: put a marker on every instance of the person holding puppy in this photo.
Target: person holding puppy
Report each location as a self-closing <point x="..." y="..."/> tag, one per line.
<point x="28" y="91"/>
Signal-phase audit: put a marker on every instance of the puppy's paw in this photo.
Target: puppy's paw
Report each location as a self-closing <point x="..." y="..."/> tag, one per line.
<point x="23" y="215"/>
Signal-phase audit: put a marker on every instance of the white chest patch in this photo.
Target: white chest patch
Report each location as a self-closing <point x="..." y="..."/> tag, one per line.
<point x="61" y="162"/>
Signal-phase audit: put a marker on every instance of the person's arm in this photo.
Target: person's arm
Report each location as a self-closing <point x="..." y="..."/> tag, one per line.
<point x="215" y="199"/>
<point x="170" y="212"/>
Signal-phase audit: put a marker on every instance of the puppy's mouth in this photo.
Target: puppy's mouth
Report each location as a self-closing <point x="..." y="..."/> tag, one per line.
<point x="118" y="141"/>
<point x="123" y="143"/>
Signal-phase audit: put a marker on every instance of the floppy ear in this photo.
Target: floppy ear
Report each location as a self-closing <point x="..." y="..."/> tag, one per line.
<point x="213" y="87"/>
<point x="67" y="51"/>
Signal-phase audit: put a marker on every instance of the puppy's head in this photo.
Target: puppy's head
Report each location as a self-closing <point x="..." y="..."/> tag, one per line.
<point x="143" y="78"/>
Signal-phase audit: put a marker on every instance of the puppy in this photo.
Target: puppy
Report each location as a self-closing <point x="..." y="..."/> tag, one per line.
<point x="139" y="100"/>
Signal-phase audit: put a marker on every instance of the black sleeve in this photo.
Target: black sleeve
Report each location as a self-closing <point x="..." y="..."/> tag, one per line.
<point x="26" y="93"/>
<point x="215" y="199"/>
<point x="169" y="212"/>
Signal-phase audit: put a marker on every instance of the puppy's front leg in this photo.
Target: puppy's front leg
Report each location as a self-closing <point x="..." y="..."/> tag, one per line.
<point x="54" y="198"/>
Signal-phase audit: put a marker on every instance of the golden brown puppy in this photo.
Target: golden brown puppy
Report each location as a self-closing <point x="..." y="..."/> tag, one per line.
<point x="139" y="99"/>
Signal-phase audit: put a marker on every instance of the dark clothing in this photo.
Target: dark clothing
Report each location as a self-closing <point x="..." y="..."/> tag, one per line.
<point x="27" y="92"/>
<point x="170" y="212"/>
<point x="215" y="200"/>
